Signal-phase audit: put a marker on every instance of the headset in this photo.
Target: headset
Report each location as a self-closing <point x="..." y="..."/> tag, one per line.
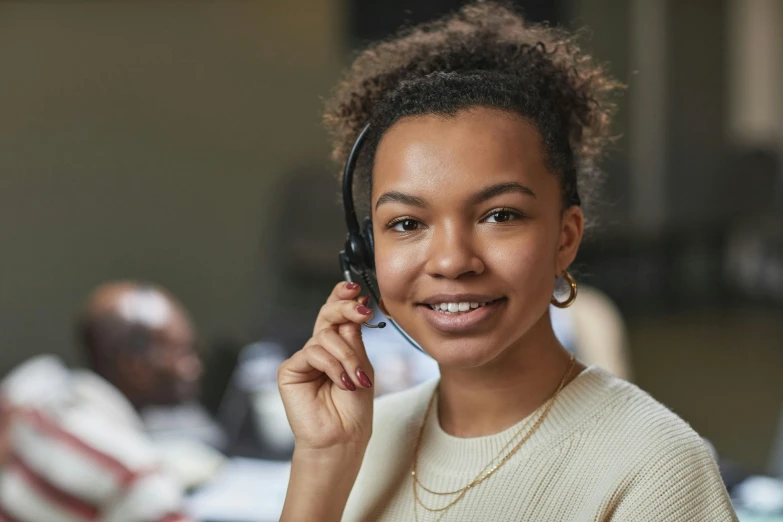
<point x="358" y="257"/>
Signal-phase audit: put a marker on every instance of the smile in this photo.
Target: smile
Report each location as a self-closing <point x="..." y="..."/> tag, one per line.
<point x="458" y="308"/>
<point x="460" y="317"/>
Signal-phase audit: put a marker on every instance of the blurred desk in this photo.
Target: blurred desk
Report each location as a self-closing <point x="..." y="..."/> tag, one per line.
<point x="244" y="490"/>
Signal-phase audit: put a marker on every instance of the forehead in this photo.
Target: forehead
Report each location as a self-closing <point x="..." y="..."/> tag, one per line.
<point x="179" y="329"/>
<point x="148" y="308"/>
<point x="450" y="155"/>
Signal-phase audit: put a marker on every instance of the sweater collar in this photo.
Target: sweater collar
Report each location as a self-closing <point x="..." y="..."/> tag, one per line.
<point x="465" y="457"/>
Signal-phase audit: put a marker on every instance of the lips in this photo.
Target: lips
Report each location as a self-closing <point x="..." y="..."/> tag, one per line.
<point x="437" y="299"/>
<point x="461" y="321"/>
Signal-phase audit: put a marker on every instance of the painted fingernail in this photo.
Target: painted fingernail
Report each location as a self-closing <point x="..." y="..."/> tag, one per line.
<point x="363" y="379"/>
<point x="347" y="382"/>
<point x="351" y="286"/>
<point x="363" y="310"/>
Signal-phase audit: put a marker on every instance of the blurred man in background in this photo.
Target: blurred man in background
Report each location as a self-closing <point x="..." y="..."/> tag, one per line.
<point x="140" y="339"/>
<point x="118" y="442"/>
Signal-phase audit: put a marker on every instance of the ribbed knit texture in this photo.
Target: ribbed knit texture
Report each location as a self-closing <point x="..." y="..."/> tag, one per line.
<point x="606" y="452"/>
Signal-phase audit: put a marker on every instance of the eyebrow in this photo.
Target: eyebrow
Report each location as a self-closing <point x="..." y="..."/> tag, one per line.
<point x="499" y="189"/>
<point x="483" y="195"/>
<point x="399" y="197"/>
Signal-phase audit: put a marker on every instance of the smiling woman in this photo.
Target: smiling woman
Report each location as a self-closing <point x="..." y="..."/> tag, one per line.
<point x="482" y="139"/>
<point x="488" y="226"/>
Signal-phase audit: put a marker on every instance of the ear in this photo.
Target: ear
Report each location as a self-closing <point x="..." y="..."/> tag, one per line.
<point x="572" y="228"/>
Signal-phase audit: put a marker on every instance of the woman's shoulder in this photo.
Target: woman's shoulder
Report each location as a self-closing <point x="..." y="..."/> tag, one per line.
<point x="657" y="452"/>
<point x="628" y="407"/>
<point x="619" y="406"/>
<point x="641" y="432"/>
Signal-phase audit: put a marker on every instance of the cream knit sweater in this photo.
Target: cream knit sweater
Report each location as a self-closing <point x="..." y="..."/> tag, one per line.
<point x="606" y="452"/>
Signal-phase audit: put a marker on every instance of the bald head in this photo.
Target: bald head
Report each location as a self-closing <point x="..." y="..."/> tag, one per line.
<point x="135" y="303"/>
<point x="140" y="338"/>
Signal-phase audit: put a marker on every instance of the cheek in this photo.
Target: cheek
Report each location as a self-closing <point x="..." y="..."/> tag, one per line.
<point x="526" y="264"/>
<point x="396" y="268"/>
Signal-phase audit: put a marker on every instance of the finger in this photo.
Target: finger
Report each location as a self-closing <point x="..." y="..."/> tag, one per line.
<point x="352" y="334"/>
<point x="352" y="362"/>
<point x="340" y="312"/>
<point x="315" y="359"/>
<point x="343" y="291"/>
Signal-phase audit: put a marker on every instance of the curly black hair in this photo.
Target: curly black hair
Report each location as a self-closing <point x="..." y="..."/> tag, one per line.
<point x="485" y="55"/>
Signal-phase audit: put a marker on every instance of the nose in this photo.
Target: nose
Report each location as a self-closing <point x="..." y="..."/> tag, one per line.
<point x="453" y="253"/>
<point x="190" y="368"/>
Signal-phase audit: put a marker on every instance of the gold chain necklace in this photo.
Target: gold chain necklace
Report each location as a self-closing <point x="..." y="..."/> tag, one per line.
<point x="483" y="474"/>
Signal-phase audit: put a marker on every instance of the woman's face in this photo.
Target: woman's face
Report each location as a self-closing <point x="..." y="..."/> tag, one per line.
<point x="465" y="211"/>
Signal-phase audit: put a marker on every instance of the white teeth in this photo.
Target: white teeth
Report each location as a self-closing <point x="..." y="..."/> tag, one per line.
<point x="453" y="308"/>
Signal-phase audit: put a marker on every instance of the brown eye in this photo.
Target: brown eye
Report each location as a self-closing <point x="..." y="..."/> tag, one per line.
<point x="500" y="216"/>
<point x="406" y="225"/>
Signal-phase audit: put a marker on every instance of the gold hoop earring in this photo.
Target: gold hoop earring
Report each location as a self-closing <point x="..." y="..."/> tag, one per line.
<point x="571" y="296"/>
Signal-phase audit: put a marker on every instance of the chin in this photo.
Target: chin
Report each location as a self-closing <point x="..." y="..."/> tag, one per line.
<point x="184" y="393"/>
<point x="463" y="353"/>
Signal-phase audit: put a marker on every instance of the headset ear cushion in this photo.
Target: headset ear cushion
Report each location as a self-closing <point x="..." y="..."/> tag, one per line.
<point x="369" y="243"/>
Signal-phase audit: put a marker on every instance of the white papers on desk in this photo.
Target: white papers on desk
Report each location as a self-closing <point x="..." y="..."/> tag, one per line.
<point x="245" y="490"/>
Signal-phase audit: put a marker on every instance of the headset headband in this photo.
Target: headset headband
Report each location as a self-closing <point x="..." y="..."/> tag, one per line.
<point x="351" y="221"/>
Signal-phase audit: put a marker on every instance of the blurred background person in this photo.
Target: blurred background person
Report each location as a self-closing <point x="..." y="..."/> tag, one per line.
<point x="140" y="339"/>
<point x="72" y="450"/>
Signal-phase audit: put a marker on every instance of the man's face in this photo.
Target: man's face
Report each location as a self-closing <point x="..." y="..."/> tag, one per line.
<point x="167" y="369"/>
<point x="175" y="366"/>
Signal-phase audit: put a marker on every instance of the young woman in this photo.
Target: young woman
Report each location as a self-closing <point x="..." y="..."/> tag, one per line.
<point x="483" y="136"/>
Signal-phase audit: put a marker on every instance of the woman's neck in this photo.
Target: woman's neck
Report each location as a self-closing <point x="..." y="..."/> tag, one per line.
<point x="474" y="402"/>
